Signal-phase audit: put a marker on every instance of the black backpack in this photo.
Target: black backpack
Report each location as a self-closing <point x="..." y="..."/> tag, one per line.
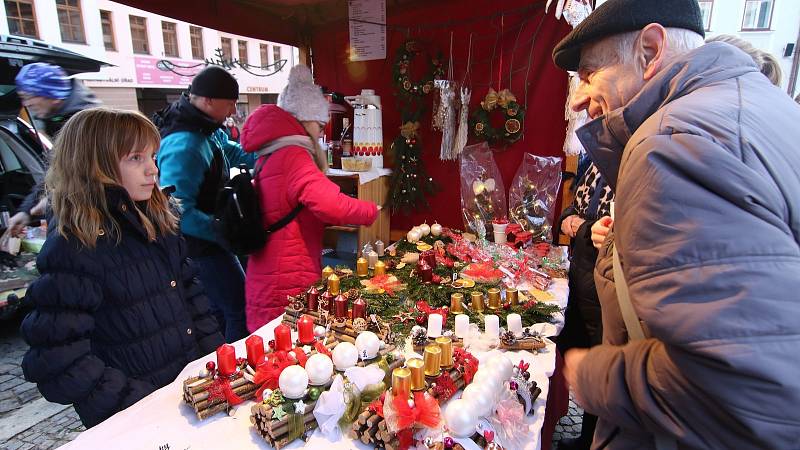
<point x="238" y="213"/>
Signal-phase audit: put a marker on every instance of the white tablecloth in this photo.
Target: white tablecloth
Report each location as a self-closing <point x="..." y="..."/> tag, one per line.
<point x="162" y="419"/>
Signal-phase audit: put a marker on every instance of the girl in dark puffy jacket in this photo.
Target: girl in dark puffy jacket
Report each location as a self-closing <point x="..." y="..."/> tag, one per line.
<point x="117" y="310"/>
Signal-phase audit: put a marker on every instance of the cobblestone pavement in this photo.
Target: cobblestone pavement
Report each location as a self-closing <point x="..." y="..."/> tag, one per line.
<point x="570" y="425"/>
<point x="27" y="421"/>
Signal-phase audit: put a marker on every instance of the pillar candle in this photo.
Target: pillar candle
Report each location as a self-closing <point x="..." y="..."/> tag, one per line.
<point x="372" y="258"/>
<point x="362" y="267"/>
<point x="456" y="303"/>
<point x="283" y="338"/>
<point x="401" y="382"/>
<point x="255" y="350"/>
<point x="433" y="360"/>
<point x="379" y="247"/>
<point x="359" y="308"/>
<point x="327" y="301"/>
<point x="380" y="268"/>
<point x="226" y="359"/>
<point x="305" y="329"/>
<point x="434" y="325"/>
<point x="512" y="296"/>
<point x="327" y="272"/>
<point x="312" y="299"/>
<point x="425" y="271"/>
<point x="515" y="324"/>
<point x="333" y="284"/>
<point x="462" y="326"/>
<point x="430" y="257"/>
<point x="446" y="345"/>
<point x="340" y="307"/>
<point x="417" y="368"/>
<point x="477" y="301"/>
<point x="492" y="328"/>
<point x="494" y="298"/>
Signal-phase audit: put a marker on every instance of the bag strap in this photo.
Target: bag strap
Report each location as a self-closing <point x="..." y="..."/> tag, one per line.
<point x="635" y="333"/>
<point x="263" y="155"/>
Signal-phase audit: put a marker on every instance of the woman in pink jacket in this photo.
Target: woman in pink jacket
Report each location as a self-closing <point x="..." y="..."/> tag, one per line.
<point x="292" y="174"/>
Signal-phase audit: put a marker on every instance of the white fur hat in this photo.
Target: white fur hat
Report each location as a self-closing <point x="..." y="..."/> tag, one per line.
<point x="302" y="98"/>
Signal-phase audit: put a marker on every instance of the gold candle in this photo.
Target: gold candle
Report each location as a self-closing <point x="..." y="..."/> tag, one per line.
<point x="446" y="345"/>
<point x="333" y="284"/>
<point x="477" y="301"/>
<point x="401" y="382"/>
<point x="361" y="267"/>
<point x="433" y="360"/>
<point x="494" y="298"/>
<point x="512" y="296"/>
<point x="327" y="272"/>
<point x="380" y="268"/>
<point x="417" y="367"/>
<point x="456" y="303"/>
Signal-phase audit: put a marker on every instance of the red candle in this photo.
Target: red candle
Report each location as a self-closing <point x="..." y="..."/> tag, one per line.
<point x="327" y="301"/>
<point x="429" y="256"/>
<point x="359" y="308"/>
<point x="226" y="360"/>
<point x="305" y="329"/>
<point x="255" y="350"/>
<point x="283" y="338"/>
<point x="340" y="309"/>
<point x="312" y="299"/>
<point x="425" y="271"/>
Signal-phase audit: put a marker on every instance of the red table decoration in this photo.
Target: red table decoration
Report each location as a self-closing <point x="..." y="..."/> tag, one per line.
<point x="226" y="360"/>
<point x="305" y="329"/>
<point x="283" y="338"/>
<point x="255" y="350"/>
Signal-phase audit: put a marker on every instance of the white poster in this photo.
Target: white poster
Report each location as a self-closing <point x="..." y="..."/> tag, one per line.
<point x="367" y="29"/>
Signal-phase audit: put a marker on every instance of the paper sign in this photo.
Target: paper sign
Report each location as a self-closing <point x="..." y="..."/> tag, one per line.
<point x="367" y="29"/>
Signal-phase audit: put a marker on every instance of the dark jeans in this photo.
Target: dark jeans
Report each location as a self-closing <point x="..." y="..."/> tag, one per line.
<point x="223" y="278"/>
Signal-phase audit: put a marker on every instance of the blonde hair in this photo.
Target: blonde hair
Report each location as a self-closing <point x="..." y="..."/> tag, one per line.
<point x="766" y="62"/>
<point x="86" y="157"/>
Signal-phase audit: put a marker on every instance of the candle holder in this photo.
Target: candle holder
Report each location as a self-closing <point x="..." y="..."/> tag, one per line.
<point x="417" y="367"/>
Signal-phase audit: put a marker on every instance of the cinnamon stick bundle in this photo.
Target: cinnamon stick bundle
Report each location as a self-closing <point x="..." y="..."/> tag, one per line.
<point x="196" y="395"/>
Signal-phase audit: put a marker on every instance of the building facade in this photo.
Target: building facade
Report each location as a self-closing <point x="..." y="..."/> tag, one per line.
<point x="153" y="57"/>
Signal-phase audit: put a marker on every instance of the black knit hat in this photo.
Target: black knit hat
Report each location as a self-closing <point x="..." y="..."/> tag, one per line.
<point x="620" y="16"/>
<point x="215" y="82"/>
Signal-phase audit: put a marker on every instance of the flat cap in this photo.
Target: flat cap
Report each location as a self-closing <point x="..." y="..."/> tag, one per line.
<point x="620" y="16"/>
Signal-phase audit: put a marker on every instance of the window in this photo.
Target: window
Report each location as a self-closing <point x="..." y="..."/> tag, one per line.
<point x="170" y="39"/>
<point x="276" y="56"/>
<point x="70" y="21"/>
<point x="706" y="6"/>
<point x="108" y="30"/>
<point x="196" y="36"/>
<point x="139" y="35"/>
<point x="757" y="14"/>
<point x="21" y="18"/>
<point x="242" y="52"/>
<point x="227" y="49"/>
<point x="264" y="50"/>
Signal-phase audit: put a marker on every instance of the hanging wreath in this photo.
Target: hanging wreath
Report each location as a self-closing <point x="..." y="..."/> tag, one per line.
<point x="401" y="71"/>
<point x="513" y="113"/>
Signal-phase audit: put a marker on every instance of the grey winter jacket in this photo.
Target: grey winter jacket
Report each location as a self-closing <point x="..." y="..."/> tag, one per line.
<point x="706" y="165"/>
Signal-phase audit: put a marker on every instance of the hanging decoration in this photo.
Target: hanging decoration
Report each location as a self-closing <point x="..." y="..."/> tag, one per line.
<point x="401" y="71"/>
<point x="512" y="115"/>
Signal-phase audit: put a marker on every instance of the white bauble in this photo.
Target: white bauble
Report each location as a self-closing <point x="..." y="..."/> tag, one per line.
<point x="367" y="344"/>
<point x="425" y="229"/>
<point x="320" y="369"/>
<point x="481" y="397"/>
<point x="413" y="235"/>
<point x="345" y="355"/>
<point x="488" y="378"/>
<point x="460" y="420"/>
<point x="436" y="229"/>
<point x="502" y="365"/>
<point x="293" y="382"/>
<point x="319" y="331"/>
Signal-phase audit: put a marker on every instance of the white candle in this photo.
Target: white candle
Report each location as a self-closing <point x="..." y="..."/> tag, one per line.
<point x="492" y="326"/>
<point x="462" y="326"/>
<point x="372" y="258"/>
<point x="499" y="238"/>
<point x="379" y="247"/>
<point x="515" y="324"/>
<point x="434" y="325"/>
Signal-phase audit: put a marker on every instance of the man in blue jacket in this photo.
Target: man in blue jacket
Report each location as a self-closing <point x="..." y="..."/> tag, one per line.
<point x="195" y="158"/>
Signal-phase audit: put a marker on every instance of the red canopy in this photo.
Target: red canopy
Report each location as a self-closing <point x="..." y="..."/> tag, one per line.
<point x="511" y="45"/>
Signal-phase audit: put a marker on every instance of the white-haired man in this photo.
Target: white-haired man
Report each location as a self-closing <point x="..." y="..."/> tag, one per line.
<point x="701" y="151"/>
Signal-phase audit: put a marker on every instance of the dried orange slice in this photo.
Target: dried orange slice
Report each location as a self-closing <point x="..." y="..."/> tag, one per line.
<point x="513" y="126"/>
<point x="423" y="247"/>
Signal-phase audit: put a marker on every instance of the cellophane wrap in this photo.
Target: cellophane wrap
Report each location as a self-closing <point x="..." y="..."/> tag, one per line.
<point x="483" y="196"/>
<point x="533" y="193"/>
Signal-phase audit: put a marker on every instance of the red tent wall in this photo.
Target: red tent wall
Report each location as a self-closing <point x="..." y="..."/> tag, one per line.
<point x="514" y="21"/>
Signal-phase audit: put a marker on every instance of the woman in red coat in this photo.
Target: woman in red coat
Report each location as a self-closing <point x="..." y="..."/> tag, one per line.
<point x="292" y="174"/>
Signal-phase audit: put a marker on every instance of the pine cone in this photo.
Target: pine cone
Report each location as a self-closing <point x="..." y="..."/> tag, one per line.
<point x="508" y="339"/>
<point x="420" y="337"/>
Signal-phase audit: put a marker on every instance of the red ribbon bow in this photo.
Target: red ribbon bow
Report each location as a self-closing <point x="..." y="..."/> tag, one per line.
<point x="426" y="411"/>
<point x="220" y="389"/>
<point x="426" y="310"/>
<point x="464" y="361"/>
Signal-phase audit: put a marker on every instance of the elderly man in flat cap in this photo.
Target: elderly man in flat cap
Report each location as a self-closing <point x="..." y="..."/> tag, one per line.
<point x="702" y="320"/>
